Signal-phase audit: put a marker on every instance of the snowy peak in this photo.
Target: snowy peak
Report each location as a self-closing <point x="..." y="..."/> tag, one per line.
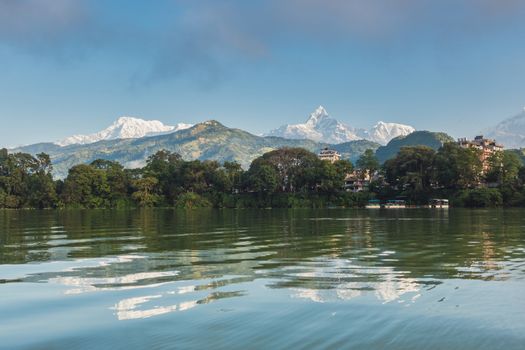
<point x="125" y="128"/>
<point x="129" y="128"/>
<point x="318" y="127"/>
<point x="318" y="115"/>
<point x="321" y="127"/>
<point x="384" y="132"/>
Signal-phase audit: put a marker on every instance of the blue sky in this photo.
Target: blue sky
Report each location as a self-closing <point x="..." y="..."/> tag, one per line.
<point x="74" y="66"/>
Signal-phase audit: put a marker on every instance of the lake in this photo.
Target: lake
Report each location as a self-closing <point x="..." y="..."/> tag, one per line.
<point x="273" y="279"/>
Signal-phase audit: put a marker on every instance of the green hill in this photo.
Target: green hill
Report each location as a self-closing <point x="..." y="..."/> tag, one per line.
<point x="433" y="140"/>
<point x="353" y="149"/>
<point x="207" y="140"/>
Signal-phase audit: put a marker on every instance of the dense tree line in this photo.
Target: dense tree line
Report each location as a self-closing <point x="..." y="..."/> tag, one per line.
<point x="26" y="181"/>
<point x="288" y="177"/>
<point x="419" y="173"/>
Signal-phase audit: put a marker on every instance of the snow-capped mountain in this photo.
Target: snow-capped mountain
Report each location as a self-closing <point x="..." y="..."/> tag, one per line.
<point x="383" y="132"/>
<point x="125" y="128"/>
<point x="321" y="127"/>
<point x="510" y="132"/>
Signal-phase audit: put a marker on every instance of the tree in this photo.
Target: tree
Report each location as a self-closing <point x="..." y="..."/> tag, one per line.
<point x="412" y="172"/>
<point x="42" y="192"/>
<point x="234" y="173"/>
<point x="458" y="167"/>
<point x="145" y="193"/>
<point x="192" y="200"/>
<point x="25" y="181"/>
<point x="165" y="166"/>
<point x="479" y="198"/>
<point x="504" y="168"/>
<point x="332" y="175"/>
<point x="159" y="164"/>
<point x="87" y="187"/>
<point x="117" y="178"/>
<point x="368" y="162"/>
<point x="262" y="178"/>
<point x="297" y="169"/>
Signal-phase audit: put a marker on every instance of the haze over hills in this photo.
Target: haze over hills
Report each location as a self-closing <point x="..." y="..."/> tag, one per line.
<point x="321" y="127"/>
<point x="209" y="140"/>
<point x="124" y="128"/>
<point x="509" y="132"/>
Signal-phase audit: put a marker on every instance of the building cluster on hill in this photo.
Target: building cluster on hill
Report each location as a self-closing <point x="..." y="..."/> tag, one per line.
<point x="486" y="148"/>
<point x="485" y="157"/>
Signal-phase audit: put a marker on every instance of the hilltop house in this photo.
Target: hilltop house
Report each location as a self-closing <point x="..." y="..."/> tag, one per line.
<point x="487" y="147"/>
<point x="329" y="155"/>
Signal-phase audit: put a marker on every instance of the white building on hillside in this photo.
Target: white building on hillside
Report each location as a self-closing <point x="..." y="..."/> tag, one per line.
<point x="329" y="155"/>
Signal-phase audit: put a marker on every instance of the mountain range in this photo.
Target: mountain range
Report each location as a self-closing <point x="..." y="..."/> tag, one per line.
<point x="203" y="141"/>
<point x="130" y="141"/>
<point x="321" y="127"/>
<point x="125" y="128"/>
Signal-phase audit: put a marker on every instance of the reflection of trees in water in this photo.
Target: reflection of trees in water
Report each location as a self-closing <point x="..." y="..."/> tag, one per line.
<point x="205" y="243"/>
<point x="22" y="233"/>
<point x="180" y="259"/>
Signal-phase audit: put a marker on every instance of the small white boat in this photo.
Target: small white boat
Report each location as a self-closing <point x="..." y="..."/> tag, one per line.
<point x="439" y="203"/>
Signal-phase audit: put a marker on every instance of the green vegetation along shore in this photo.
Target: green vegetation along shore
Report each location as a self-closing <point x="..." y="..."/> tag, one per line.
<point x="287" y="177"/>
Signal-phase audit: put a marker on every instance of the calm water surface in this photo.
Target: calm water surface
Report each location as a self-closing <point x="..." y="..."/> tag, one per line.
<point x="162" y="279"/>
